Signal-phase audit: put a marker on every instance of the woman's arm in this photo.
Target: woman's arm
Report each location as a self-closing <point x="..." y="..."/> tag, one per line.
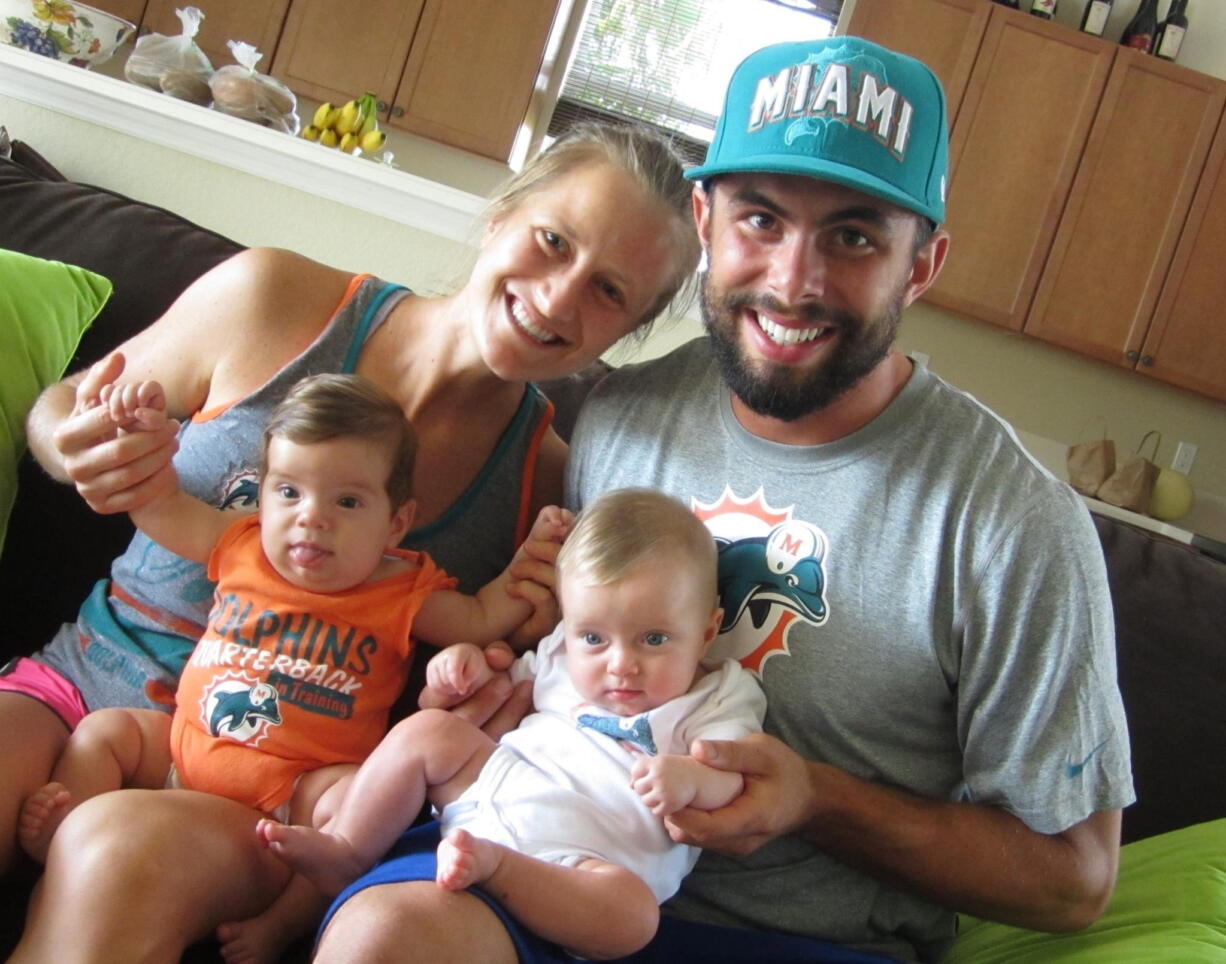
<point x="226" y="335"/>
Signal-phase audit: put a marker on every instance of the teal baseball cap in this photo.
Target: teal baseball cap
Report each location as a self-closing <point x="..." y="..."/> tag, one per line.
<point x="842" y="109"/>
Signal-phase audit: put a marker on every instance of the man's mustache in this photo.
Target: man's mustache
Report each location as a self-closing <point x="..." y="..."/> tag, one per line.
<point x="810" y="312"/>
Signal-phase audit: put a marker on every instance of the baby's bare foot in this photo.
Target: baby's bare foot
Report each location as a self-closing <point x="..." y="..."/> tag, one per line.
<point x="40" y="815"/>
<point x="260" y="940"/>
<point x="326" y="860"/>
<point x="464" y="860"/>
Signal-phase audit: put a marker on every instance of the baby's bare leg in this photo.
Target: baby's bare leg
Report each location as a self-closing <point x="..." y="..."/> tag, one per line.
<point x="430" y="754"/>
<point x="109" y="750"/>
<point x="299" y="908"/>
<point x="608" y="911"/>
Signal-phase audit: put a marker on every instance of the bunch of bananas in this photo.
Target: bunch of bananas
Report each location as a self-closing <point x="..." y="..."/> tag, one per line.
<point x="353" y="128"/>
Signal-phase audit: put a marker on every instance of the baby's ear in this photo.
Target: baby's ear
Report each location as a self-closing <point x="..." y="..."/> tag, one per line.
<point x="402" y="522"/>
<point x="708" y="637"/>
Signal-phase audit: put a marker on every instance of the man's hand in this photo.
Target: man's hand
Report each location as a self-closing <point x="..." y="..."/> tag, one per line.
<point x="779" y="797"/>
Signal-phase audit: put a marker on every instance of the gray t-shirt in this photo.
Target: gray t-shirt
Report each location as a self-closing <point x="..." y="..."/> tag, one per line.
<point x="926" y="607"/>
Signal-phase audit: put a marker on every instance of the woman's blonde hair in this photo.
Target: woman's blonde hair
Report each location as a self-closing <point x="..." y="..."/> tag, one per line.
<point x="624" y="528"/>
<point x="645" y="155"/>
<point x="323" y="407"/>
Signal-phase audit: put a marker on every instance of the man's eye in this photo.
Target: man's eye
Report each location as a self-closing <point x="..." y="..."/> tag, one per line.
<point x="655" y="639"/>
<point x="851" y="238"/>
<point x="763" y="222"/>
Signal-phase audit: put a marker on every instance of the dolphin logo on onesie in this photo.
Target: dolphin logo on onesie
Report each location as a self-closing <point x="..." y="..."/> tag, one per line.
<point x="772" y="571"/>
<point x="240" y="708"/>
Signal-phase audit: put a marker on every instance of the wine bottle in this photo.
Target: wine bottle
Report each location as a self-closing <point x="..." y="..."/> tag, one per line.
<point x="1170" y="35"/>
<point x="1094" y="17"/>
<point x="1139" y="34"/>
<point x="1043" y="8"/>
<point x="1007" y="3"/>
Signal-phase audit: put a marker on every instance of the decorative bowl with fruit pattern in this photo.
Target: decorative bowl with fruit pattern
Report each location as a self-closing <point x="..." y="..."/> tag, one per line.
<point x="63" y="29"/>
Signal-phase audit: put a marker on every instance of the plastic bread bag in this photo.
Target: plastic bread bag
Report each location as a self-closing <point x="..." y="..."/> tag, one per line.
<point x="175" y="65"/>
<point x="239" y="90"/>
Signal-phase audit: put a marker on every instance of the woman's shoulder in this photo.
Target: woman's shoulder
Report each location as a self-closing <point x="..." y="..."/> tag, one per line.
<point x="277" y="277"/>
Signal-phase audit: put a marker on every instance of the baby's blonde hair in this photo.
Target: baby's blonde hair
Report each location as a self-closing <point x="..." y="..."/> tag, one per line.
<point x="624" y="528"/>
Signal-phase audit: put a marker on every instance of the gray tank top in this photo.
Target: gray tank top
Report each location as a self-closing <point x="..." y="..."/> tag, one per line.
<point x="132" y="637"/>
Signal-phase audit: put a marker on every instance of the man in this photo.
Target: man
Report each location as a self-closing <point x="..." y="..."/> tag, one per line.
<point x="925" y="606"/>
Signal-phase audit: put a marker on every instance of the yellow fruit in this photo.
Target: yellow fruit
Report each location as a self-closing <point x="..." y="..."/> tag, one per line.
<point x="1172" y="497"/>
<point x="349" y="143"/>
<point x="311" y="132"/>
<point x="372" y="141"/>
<point x="349" y="119"/>
<point x="322" y="115"/>
<point x="329" y="138"/>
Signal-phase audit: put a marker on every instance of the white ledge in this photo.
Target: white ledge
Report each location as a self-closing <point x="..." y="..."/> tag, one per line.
<point x="150" y="116"/>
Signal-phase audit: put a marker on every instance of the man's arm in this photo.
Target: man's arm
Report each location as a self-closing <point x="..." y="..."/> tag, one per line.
<point x="973" y="858"/>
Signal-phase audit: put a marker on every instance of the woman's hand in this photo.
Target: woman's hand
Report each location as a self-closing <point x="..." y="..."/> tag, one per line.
<point x="114" y="471"/>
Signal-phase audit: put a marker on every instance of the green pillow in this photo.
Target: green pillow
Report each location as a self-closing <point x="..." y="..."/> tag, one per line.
<point x="1169" y="905"/>
<point x="45" y="307"/>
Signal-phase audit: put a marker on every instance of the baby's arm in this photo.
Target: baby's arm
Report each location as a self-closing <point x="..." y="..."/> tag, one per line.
<point x="498" y="608"/>
<point x="453" y="674"/>
<point x="669" y="782"/>
<point x="176" y="521"/>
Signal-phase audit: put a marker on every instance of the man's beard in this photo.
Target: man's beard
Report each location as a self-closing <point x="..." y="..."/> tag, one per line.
<point x="778" y="391"/>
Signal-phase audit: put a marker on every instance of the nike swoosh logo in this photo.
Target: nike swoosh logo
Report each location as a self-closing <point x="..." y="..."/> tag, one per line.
<point x="1075" y="769"/>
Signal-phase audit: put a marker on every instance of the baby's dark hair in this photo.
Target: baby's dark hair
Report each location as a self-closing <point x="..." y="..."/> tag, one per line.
<point x="324" y="407"/>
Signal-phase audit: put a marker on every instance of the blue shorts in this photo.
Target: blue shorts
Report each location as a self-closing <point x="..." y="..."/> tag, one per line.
<point x="413" y="858"/>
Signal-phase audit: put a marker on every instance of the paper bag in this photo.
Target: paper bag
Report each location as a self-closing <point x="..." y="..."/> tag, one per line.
<point x="1132" y="484"/>
<point x="1090" y="464"/>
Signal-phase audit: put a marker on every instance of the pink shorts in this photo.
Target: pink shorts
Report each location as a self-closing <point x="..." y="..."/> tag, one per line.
<point x="40" y="682"/>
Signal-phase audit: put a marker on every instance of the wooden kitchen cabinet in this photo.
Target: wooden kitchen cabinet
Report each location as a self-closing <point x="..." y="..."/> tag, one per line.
<point x="1186" y="343"/>
<point x="460" y="73"/>
<point x="335" y="50"/>
<point x="1082" y="208"/>
<point x="944" y="34"/>
<point x="1127" y="208"/>
<point x="1024" y="121"/>
<point x="258" y="22"/>
<point x="130" y="10"/>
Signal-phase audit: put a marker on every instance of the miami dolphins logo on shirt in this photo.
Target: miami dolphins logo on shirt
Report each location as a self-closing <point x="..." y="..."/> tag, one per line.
<point x="240" y="708"/>
<point x="772" y="571"/>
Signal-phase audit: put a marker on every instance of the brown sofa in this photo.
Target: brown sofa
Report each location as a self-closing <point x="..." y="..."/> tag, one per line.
<point x="1170" y="600"/>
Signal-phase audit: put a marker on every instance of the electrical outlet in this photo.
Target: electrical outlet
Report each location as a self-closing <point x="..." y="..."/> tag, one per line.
<point x="1185" y="455"/>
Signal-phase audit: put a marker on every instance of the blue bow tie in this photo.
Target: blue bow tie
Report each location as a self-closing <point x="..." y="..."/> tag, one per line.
<point x="637" y="733"/>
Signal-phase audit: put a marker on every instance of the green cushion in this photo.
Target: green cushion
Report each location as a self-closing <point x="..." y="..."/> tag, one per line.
<point x="45" y="307"/>
<point x="1169" y="905"/>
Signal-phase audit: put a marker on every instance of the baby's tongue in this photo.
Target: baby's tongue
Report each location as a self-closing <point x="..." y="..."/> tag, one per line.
<point x="307" y="556"/>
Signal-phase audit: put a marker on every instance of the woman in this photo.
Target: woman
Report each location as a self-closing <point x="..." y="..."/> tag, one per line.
<point x="588" y="243"/>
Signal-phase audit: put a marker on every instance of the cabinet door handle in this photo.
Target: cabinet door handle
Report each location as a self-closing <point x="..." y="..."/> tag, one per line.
<point x="1147" y="360"/>
<point x="381" y="106"/>
<point x="1132" y="356"/>
<point x="397" y="111"/>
